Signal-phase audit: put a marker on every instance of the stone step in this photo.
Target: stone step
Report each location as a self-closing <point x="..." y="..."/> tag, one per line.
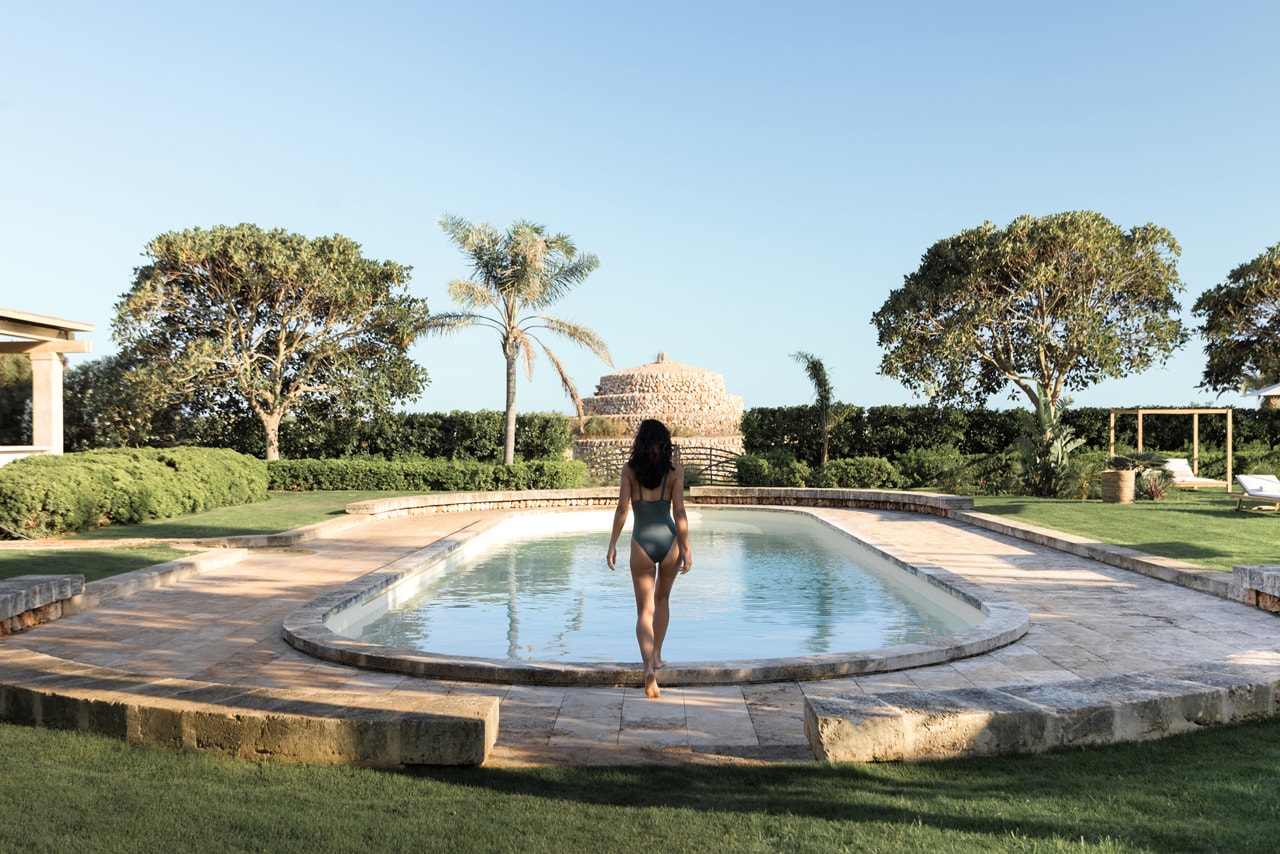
<point x="251" y="723"/>
<point x="928" y="725"/>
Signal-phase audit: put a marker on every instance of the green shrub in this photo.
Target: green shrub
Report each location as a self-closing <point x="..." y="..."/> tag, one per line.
<point x="752" y="470"/>
<point x="424" y="475"/>
<point x="857" y="473"/>
<point x="1083" y="476"/>
<point x="774" y="468"/>
<point x="598" y="427"/>
<point x="925" y="467"/>
<point x="48" y="495"/>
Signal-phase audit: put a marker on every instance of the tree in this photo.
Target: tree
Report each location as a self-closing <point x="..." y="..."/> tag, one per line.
<point x="239" y="317"/>
<point x="822" y="394"/>
<point x="15" y="399"/>
<point x="1242" y="326"/>
<point x="521" y="270"/>
<point x="106" y="404"/>
<point x="1043" y="306"/>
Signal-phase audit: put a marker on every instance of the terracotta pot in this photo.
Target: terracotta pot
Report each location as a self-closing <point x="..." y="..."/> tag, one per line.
<point x="1117" y="486"/>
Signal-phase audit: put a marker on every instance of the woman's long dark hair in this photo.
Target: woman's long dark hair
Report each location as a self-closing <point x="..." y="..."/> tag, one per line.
<point x="651" y="453"/>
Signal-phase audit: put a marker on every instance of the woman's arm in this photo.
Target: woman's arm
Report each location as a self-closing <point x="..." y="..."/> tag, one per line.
<point x="685" y="561"/>
<point x="620" y="515"/>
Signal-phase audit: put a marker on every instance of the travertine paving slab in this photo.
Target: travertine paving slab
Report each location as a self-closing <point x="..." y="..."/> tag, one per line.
<point x="1088" y="620"/>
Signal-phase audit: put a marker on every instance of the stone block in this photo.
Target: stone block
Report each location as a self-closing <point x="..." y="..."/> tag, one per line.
<point x="855" y="728"/>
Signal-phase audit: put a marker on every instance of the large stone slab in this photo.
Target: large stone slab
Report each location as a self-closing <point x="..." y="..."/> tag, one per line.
<point x="926" y="725"/>
<point x="180" y="714"/>
<point x="28" y="600"/>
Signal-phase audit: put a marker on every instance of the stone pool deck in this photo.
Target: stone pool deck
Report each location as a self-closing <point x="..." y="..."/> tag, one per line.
<point x="218" y="629"/>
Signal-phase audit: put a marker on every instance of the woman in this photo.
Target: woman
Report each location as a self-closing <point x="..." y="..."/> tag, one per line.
<point x="653" y="483"/>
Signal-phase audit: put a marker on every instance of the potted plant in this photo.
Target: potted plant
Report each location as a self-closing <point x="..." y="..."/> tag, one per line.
<point x="1120" y="478"/>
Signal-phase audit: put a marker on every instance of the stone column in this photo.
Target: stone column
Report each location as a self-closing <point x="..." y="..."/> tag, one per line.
<point x="46" y="401"/>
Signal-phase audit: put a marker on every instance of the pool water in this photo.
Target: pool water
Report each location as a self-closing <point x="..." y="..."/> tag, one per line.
<point x="763" y="585"/>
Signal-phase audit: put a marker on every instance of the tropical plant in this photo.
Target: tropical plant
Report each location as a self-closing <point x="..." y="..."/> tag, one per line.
<point x="1045" y="451"/>
<point x="522" y="270"/>
<point x="823" y="396"/>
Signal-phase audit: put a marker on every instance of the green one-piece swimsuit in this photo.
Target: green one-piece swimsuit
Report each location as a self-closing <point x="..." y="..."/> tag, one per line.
<point x="654" y="529"/>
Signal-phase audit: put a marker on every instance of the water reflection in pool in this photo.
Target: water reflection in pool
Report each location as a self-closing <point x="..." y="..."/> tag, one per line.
<point x="764" y="585"/>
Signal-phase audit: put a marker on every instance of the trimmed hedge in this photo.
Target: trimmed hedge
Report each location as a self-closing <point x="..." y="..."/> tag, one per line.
<point x="892" y="432"/>
<point x="426" y="475"/>
<point x="48" y="495"/>
<point x="457" y="435"/>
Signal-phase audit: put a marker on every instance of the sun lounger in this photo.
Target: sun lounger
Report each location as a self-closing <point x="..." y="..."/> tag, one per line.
<point x="1184" y="477"/>
<point x="1260" y="489"/>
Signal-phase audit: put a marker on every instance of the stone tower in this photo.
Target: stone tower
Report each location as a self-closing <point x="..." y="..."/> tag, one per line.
<point x="691" y="401"/>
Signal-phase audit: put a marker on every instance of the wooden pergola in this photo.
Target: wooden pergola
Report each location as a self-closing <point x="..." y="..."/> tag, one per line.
<point x="1195" y="414"/>
<point x="43" y="340"/>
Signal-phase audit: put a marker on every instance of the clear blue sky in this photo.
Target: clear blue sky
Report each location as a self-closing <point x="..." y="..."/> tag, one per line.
<point x="755" y="177"/>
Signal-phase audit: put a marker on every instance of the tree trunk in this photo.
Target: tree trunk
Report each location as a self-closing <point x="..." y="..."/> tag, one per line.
<point x="826" y="435"/>
<point x="509" y="446"/>
<point x="271" y="426"/>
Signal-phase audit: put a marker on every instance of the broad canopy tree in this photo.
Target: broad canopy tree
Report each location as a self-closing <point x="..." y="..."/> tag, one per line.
<point x="273" y="322"/>
<point x="1241" y="326"/>
<point x="515" y="276"/>
<point x="1044" y="306"/>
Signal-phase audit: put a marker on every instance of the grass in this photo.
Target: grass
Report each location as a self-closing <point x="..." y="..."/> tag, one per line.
<point x="1200" y="527"/>
<point x="93" y="564"/>
<point x="282" y="511"/>
<point x="1218" y="790"/>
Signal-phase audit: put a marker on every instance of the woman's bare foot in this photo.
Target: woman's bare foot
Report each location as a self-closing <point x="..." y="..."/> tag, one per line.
<point x="659" y="664"/>
<point x="651" y="689"/>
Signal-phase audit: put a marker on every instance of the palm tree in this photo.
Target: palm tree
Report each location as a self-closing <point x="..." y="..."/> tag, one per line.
<point x="822" y="393"/>
<point x="523" y="270"/>
<point x="1259" y="381"/>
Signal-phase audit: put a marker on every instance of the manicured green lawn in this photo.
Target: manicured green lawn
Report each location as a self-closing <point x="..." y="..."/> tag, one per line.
<point x="282" y="511"/>
<point x="1213" y="791"/>
<point x="1201" y="527"/>
<point x="93" y="564"/>
<point x="1217" y="790"/>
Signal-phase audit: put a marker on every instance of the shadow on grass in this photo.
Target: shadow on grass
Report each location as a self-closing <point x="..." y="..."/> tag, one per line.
<point x="1155" y="795"/>
<point x="93" y="564"/>
<point x="1179" y="550"/>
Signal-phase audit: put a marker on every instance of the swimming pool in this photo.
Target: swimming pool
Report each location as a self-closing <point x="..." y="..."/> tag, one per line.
<point x="332" y="626"/>
<point x="763" y="585"/>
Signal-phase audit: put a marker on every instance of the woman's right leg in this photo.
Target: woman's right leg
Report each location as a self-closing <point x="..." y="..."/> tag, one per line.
<point x="643" y="578"/>
<point x="667" y="572"/>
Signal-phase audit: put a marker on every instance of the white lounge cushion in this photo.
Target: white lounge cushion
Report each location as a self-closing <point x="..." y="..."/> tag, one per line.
<point x="1180" y="470"/>
<point x="1260" y="485"/>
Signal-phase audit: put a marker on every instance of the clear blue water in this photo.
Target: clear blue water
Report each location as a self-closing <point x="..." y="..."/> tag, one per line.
<point x="763" y="585"/>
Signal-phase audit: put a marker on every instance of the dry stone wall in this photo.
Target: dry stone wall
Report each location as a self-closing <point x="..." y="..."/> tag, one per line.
<point x="690" y="401"/>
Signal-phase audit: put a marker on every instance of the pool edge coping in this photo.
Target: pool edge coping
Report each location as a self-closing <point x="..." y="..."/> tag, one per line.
<point x="306" y="628"/>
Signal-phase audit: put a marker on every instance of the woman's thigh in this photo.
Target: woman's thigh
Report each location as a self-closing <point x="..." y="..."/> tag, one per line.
<point x="643" y="576"/>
